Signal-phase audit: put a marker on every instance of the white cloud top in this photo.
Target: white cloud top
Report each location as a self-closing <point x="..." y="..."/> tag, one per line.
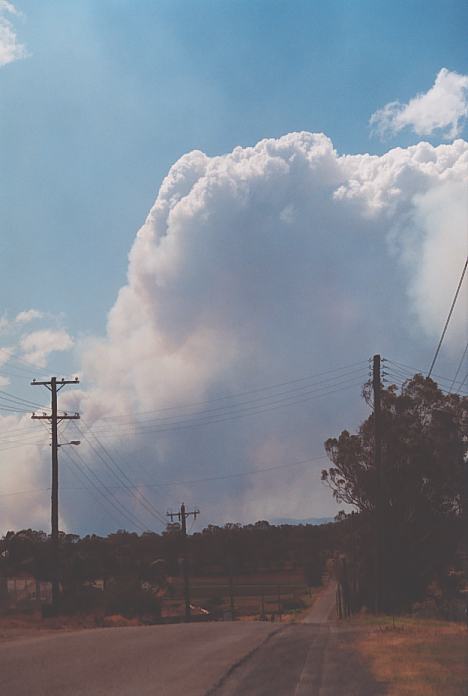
<point x="10" y="48"/>
<point x="444" y="108"/>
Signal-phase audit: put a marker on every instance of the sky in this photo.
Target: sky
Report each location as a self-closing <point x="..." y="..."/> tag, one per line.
<point x="297" y="176"/>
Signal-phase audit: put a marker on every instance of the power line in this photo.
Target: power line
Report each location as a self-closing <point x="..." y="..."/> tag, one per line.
<point x="404" y="374"/>
<point x="25" y="365"/>
<point x="225" y="397"/>
<point x="448" y="318"/>
<point x="400" y="380"/>
<point x="459" y="366"/>
<point x="30" y="438"/>
<point x="77" y="472"/>
<point x="411" y="369"/>
<point x="235" y="411"/>
<point x="205" y="479"/>
<point x="10" y="409"/>
<point x="20" y="430"/>
<point x="464" y="380"/>
<point x="308" y="388"/>
<point x="6" y="396"/>
<point x="111" y="499"/>
<point x="122" y="477"/>
<point x="20" y="399"/>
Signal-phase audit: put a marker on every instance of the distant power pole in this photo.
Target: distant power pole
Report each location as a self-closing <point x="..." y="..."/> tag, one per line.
<point x="54" y="386"/>
<point x="376" y="384"/>
<point x="465" y="528"/>
<point x="182" y="517"/>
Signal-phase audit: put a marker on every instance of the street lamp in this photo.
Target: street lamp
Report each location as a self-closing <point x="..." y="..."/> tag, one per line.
<point x="72" y="442"/>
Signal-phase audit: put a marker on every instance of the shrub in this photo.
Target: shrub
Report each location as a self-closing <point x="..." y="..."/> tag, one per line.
<point x="294" y="604"/>
<point x="129" y="599"/>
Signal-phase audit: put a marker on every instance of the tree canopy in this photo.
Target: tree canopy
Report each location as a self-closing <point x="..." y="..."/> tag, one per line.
<point x="424" y="449"/>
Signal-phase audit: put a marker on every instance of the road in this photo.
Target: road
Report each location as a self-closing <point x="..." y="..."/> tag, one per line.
<point x="215" y="659"/>
<point x="315" y="658"/>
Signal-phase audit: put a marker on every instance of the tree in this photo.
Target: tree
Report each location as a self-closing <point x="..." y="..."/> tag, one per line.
<point x="424" y="448"/>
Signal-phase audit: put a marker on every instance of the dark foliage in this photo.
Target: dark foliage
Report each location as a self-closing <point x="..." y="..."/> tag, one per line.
<point x="150" y="558"/>
<point x="126" y="597"/>
<point x="424" y="444"/>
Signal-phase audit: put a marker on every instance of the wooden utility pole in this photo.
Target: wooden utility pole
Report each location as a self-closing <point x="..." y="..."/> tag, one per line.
<point x="182" y="517"/>
<point x="231" y="594"/>
<point x="54" y="386"/>
<point x="376" y="384"/>
<point x="465" y="529"/>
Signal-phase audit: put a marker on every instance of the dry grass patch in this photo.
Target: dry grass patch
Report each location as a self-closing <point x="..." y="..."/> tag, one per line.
<point x="418" y="657"/>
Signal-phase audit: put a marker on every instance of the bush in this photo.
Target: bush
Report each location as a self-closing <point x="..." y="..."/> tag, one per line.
<point x="129" y="599"/>
<point x="293" y="604"/>
<point x="81" y="600"/>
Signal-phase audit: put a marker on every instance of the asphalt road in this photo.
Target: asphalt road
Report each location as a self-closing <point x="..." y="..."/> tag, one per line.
<point x="315" y="658"/>
<point x="216" y="659"/>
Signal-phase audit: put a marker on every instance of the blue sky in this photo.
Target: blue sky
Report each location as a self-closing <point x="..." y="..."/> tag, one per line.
<point x="114" y="92"/>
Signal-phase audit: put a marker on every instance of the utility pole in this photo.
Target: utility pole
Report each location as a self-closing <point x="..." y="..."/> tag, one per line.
<point x="182" y="517"/>
<point x="376" y="384"/>
<point x="231" y="594"/>
<point x="465" y="529"/>
<point x="54" y="386"/>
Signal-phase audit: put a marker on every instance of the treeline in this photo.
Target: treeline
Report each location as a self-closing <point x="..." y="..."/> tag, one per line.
<point x="232" y="549"/>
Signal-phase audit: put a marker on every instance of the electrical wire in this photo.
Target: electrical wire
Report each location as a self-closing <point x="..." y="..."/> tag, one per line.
<point x="464" y="380"/>
<point x="408" y="374"/>
<point x="415" y="370"/>
<point x="110" y="497"/>
<point x="121" y="476"/>
<point x="206" y="479"/>
<point x="13" y="397"/>
<point x="234" y="412"/>
<point x="400" y="380"/>
<point x="360" y="363"/>
<point x="10" y="409"/>
<point x="25" y="365"/>
<point x="219" y="409"/>
<point x="448" y="318"/>
<point x="77" y="473"/>
<point x="459" y="366"/>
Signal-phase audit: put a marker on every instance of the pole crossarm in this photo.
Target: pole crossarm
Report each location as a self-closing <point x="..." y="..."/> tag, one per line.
<point x="179" y="515"/>
<point x="75" y="416"/>
<point x="58" y="382"/>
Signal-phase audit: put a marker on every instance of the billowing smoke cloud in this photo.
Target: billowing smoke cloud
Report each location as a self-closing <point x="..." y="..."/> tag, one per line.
<point x="256" y="268"/>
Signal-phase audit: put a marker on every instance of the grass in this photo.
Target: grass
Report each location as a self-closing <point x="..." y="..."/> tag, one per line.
<point x="416" y="657"/>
